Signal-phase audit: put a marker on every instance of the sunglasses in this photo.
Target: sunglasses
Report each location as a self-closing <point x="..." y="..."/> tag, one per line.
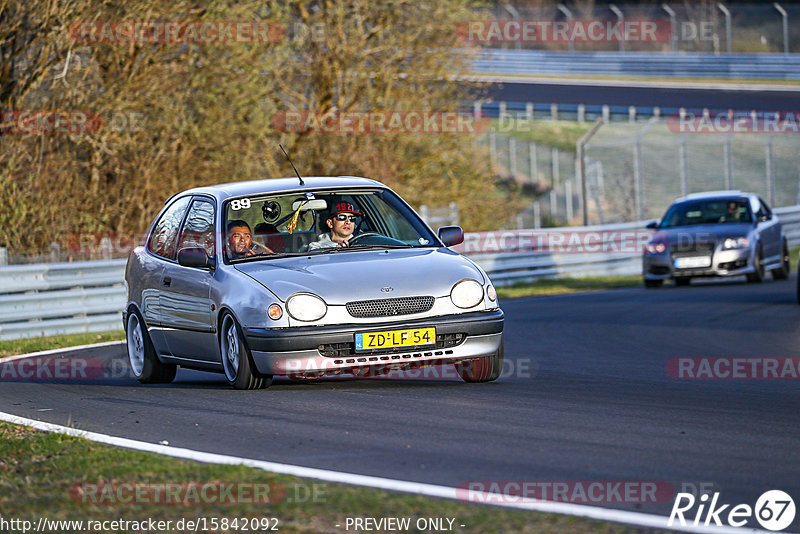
<point x="343" y="217"/>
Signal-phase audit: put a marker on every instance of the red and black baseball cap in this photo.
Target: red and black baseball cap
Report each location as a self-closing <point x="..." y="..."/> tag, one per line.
<point x="341" y="206"/>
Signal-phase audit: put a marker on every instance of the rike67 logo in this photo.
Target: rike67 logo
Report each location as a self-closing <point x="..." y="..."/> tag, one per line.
<point x="774" y="510"/>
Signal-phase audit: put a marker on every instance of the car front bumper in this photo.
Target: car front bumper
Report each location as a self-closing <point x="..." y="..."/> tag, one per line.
<point x="314" y="351"/>
<point x="732" y="262"/>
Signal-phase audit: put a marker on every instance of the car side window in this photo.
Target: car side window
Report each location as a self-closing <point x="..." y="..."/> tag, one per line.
<point x="165" y="232"/>
<point x="198" y="230"/>
<point x="763" y="208"/>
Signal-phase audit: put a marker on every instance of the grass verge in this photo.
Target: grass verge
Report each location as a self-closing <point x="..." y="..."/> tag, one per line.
<point x="40" y="474"/>
<point x="558" y="286"/>
<point x="35" y="344"/>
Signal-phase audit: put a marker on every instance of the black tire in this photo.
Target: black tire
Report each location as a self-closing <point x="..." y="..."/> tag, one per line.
<point x="237" y="361"/>
<point x="484" y="369"/>
<point x="142" y="358"/>
<point x="757" y="276"/>
<point x="683" y="281"/>
<point x="653" y="283"/>
<point x="782" y="272"/>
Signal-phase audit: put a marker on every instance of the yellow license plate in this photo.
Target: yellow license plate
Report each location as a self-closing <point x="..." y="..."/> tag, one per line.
<point x="389" y="339"/>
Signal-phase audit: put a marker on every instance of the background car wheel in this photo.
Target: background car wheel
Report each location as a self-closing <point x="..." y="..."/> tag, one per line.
<point x="142" y="358"/>
<point x="236" y="358"/>
<point x="683" y="281"/>
<point x="782" y="272"/>
<point x="757" y="275"/>
<point x="483" y="369"/>
<point x="653" y="283"/>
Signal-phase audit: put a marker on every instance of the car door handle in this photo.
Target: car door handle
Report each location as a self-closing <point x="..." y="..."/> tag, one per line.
<point x="167" y="281"/>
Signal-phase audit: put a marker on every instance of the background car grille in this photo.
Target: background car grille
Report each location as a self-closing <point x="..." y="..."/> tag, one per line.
<point x="389" y="307"/>
<point x="338" y="350"/>
<point x="691" y="249"/>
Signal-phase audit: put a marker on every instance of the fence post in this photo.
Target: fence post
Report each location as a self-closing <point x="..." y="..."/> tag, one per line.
<point x="637" y="180"/>
<point x="492" y="147"/>
<point x="727" y="25"/>
<point x="785" y="18"/>
<point x="770" y="173"/>
<point x="537" y="214"/>
<point x="534" y="163"/>
<point x="728" y="163"/>
<point x="512" y="155"/>
<point x="684" y="166"/>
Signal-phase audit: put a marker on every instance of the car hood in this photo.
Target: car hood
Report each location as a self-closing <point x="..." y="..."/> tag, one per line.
<point x="341" y="277"/>
<point x="707" y="233"/>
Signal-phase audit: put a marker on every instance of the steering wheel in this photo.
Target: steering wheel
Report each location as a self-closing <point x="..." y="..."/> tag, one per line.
<point x="360" y="236"/>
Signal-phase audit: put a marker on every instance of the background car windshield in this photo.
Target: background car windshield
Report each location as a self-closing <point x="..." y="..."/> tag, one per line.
<point x="288" y="223"/>
<point x="717" y="211"/>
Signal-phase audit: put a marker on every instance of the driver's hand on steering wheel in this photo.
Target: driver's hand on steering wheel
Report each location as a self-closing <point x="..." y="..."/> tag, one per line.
<point x="345" y="243"/>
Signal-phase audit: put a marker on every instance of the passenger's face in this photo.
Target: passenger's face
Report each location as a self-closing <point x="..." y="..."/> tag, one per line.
<point x="239" y="239"/>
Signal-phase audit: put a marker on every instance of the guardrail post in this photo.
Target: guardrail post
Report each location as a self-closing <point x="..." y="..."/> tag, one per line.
<point x="529" y="111"/>
<point x="606" y="113"/>
<point x="55" y="252"/>
<point x="554" y="112"/>
<point x="534" y="162"/>
<point x="476" y="110"/>
<point x="4" y="255"/>
<point x="537" y="214"/>
<point x="581" y="113"/>
<point x="632" y="114"/>
<point x="684" y="166"/>
<point x="501" y="110"/>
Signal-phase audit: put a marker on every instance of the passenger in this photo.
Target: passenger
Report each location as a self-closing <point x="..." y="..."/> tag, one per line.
<point x="240" y="241"/>
<point x="342" y="223"/>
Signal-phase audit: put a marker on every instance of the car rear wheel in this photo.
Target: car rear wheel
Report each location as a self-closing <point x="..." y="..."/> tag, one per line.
<point x="782" y="272"/>
<point x="653" y="283"/>
<point x="142" y="357"/>
<point x="758" y="274"/>
<point x="484" y="369"/>
<point x="237" y="361"/>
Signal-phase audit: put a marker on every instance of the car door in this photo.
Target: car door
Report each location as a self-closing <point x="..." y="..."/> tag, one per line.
<point x="770" y="230"/>
<point x="161" y="251"/>
<point x="185" y="294"/>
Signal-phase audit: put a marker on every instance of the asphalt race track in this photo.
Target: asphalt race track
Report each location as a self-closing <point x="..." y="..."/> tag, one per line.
<point x="600" y="93"/>
<point x="598" y="404"/>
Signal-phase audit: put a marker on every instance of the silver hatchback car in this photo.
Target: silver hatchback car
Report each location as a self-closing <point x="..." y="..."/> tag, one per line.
<point x="305" y="279"/>
<point x="719" y="233"/>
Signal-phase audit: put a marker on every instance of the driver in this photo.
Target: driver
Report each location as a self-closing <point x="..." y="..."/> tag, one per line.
<point x="240" y="241"/>
<point x="342" y="223"/>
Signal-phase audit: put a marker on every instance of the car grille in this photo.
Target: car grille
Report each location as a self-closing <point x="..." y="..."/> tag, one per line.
<point x="340" y="350"/>
<point x="389" y="307"/>
<point x="692" y="249"/>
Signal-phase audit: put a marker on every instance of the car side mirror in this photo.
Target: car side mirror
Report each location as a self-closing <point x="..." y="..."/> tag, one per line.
<point x="765" y="217"/>
<point x="652" y="225"/>
<point x="451" y="235"/>
<point x="195" y="257"/>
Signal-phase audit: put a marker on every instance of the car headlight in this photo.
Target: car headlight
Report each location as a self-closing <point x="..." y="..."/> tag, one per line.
<point x="467" y="294"/>
<point x="735" y="242"/>
<point x="656" y="247"/>
<point x="306" y="307"/>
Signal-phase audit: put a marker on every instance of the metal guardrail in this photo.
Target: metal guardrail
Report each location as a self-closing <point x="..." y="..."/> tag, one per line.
<point x="681" y="65"/>
<point x="68" y="298"/>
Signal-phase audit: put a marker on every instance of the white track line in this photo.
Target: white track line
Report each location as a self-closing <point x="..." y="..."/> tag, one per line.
<point x="56" y="351"/>
<point x="431" y="490"/>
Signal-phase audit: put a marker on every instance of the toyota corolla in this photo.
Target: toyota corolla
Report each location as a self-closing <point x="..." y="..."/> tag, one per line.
<point x="305" y="278"/>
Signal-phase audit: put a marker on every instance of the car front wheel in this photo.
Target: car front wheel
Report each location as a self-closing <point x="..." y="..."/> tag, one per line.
<point x="144" y="363"/>
<point x="484" y="369"/>
<point x="782" y="272"/>
<point x="237" y="361"/>
<point x="758" y="263"/>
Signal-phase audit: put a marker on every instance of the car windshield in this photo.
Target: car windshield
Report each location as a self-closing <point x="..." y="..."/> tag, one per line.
<point x="267" y="226"/>
<point x="716" y="211"/>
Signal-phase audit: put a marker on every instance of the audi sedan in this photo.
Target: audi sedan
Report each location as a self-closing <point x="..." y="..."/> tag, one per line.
<point x="721" y="233"/>
<point x="305" y="278"/>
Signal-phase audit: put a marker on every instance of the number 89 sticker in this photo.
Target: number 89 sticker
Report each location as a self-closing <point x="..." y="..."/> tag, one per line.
<point x="240" y="204"/>
<point x="775" y="510"/>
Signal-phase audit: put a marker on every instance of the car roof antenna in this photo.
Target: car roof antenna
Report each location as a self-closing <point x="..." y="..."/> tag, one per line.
<point x="293" y="167"/>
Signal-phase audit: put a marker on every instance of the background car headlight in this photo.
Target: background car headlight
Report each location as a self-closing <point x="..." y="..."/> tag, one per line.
<point x="306" y="307"/>
<point x="656" y="247"/>
<point x="735" y="242"/>
<point x="467" y="294"/>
